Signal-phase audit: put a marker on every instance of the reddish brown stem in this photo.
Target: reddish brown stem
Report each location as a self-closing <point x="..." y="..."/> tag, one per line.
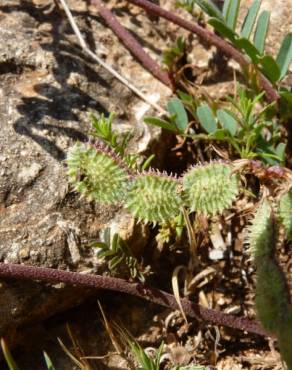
<point x="211" y="38"/>
<point x="131" y="43"/>
<point x="119" y="285"/>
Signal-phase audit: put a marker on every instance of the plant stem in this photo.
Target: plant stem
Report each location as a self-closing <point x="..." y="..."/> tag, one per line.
<point x="131" y="43"/>
<point x="96" y="58"/>
<point x="211" y="38"/>
<point x="157" y="296"/>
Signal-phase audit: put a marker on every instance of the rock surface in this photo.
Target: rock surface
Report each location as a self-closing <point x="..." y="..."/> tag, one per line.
<point x="47" y="89"/>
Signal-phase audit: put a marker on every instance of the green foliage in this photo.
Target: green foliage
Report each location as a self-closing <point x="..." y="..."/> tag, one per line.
<point x="172" y="55"/>
<point x="96" y="172"/>
<point x="211" y="188"/>
<point x="250" y="19"/>
<point x="225" y="23"/>
<point x="12" y="364"/>
<point x="8" y="357"/>
<point x="145" y="362"/>
<point x="206" y="118"/>
<point x="178" y="118"/>
<point x="48" y="361"/>
<point x="102" y="130"/>
<point x="119" y="255"/>
<point x="177" y="110"/>
<point x="153" y="197"/>
<point x="285" y="213"/>
<point x="250" y="132"/>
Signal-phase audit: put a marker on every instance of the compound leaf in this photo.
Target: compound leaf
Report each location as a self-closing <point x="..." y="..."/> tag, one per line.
<point x="284" y="57"/>
<point x="262" y="31"/>
<point x="250" y="19"/>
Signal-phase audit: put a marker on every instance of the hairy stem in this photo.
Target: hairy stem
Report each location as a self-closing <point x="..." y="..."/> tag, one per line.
<point x="131" y="43"/>
<point x="211" y="38"/>
<point x="157" y="296"/>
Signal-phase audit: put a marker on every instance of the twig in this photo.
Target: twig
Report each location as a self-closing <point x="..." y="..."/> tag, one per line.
<point x="102" y="63"/>
<point x="157" y="296"/>
<point x="211" y="38"/>
<point x="132" y="44"/>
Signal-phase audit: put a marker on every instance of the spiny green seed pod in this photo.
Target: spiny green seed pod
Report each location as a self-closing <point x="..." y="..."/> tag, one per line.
<point x="261" y="232"/>
<point x="211" y="188"/>
<point x="285" y="213"/>
<point x="272" y="295"/>
<point x="153" y="197"/>
<point x="272" y="298"/>
<point x="97" y="173"/>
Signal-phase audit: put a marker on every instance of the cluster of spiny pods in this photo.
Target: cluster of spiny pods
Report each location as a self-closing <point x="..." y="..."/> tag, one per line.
<point x="99" y="174"/>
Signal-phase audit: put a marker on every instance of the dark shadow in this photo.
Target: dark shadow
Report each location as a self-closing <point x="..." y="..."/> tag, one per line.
<point x="57" y="103"/>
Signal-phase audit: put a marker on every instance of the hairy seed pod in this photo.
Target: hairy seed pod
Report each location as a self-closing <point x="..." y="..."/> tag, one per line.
<point x="211" y="188"/>
<point x="96" y="172"/>
<point x="285" y="213"/>
<point x="153" y="197"/>
<point x="260" y="232"/>
<point x="272" y="295"/>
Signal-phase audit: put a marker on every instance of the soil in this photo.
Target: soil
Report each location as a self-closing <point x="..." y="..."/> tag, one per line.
<point x="48" y="87"/>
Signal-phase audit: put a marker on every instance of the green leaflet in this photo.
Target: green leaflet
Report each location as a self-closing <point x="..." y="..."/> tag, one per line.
<point x="96" y="173"/>
<point x="261" y="31"/>
<point x="210" y="188"/>
<point x="250" y="19"/>
<point x="153" y="197"/>
<point x="285" y="213"/>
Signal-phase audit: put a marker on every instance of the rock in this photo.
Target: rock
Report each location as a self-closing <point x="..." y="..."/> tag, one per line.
<point x="47" y="89"/>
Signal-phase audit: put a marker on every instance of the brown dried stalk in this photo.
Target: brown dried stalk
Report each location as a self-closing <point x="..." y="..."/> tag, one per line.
<point x="131" y="43"/>
<point x="157" y="296"/>
<point x="211" y="38"/>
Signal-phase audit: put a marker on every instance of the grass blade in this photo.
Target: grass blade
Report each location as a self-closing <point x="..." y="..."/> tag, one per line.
<point x="250" y="19"/>
<point x="284" y="57"/>
<point x="48" y="361"/>
<point x="8" y="357"/>
<point x="262" y="31"/>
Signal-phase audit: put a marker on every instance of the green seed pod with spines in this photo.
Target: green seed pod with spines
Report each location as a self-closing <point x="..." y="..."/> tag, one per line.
<point x="210" y="188"/>
<point x="285" y="213"/>
<point x="261" y="232"/>
<point x="153" y="197"/>
<point x="97" y="173"/>
<point x="272" y="295"/>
